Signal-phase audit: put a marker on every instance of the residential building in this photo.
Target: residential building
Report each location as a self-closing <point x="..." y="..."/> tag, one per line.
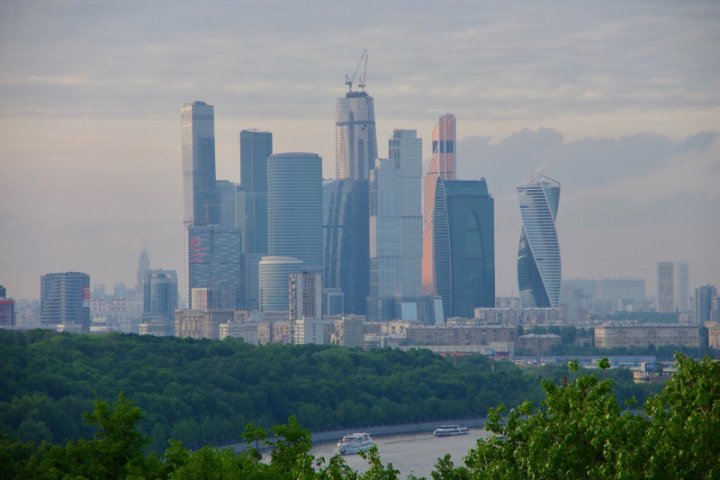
<point x="464" y="246"/>
<point x="704" y="303"/>
<point x="305" y="299"/>
<point x="64" y="299"/>
<point x="539" y="268"/>
<point x="201" y="323"/>
<point x="665" y="287"/>
<point x="441" y="167"/>
<point x="349" y="331"/>
<point x="683" y="287"/>
<point x="642" y="336"/>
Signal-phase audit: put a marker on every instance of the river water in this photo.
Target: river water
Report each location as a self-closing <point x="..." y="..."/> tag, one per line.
<point x="411" y="453"/>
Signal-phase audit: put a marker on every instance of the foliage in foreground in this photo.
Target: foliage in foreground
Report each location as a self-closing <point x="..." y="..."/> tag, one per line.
<point x="579" y="431"/>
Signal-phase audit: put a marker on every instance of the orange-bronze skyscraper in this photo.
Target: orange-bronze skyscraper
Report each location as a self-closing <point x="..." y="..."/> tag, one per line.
<point x="442" y="166"/>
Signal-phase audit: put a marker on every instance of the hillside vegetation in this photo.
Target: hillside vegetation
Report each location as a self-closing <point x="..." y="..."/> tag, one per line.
<point x="205" y="392"/>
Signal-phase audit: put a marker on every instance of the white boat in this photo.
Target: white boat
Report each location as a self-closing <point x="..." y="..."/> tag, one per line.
<point x="354" y="443"/>
<point x="450" y="430"/>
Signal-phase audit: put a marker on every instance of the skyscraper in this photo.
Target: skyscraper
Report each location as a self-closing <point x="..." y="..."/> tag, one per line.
<point x="464" y="246"/>
<point x="64" y="297"/>
<point x="215" y="262"/>
<point x="255" y="148"/>
<point x="226" y="192"/>
<point x="355" y="137"/>
<point x="347" y="216"/>
<point x="539" y="268"/>
<point x="275" y="281"/>
<point x="295" y="208"/>
<point x="396" y="221"/>
<point x="683" y="287"/>
<point x="198" y="151"/>
<point x="442" y="166"/>
<point x="704" y="303"/>
<point x="143" y="267"/>
<point x="665" y="287"/>
<point x="160" y="298"/>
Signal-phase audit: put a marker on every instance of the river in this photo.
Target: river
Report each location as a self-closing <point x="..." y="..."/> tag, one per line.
<point x="410" y="453"/>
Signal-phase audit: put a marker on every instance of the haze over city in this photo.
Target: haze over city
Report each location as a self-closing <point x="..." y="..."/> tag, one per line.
<point x="619" y="103"/>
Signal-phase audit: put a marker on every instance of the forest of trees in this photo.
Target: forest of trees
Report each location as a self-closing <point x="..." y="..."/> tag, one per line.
<point x="579" y="431"/>
<point x="204" y="392"/>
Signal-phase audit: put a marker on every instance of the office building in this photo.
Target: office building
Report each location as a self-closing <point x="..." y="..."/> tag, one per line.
<point x="355" y="137"/>
<point x="143" y="268"/>
<point x="295" y="208"/>
<point x="64" y="299"/>
<point x="464" y="246"/>
<point x="275" y="280"/>
<point x="214" y="261"/>
<point x="346" y="201"/>
<point x="683" y="287"/>
<point x="198" y="152"/>
<point x="226" y="194"/>
<point x="441" y="167"/>
<point x="539" y="267"/>
<point x="3" y="292"/>
<point x="160" y="299"/>
<point x="7" y="310"/>
<point x="704" y="303"/>
<point x="396" y="222"/>
<point x="201" y="323"/>
<point x="665" y="287"/>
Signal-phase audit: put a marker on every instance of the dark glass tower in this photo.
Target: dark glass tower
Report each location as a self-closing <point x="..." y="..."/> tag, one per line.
<point x="539" y="269"/>
<point x="197" y="123"/>
<point x="464" y="241"/>
<point x="63" y="298"/>
<point x="215" y="263"/>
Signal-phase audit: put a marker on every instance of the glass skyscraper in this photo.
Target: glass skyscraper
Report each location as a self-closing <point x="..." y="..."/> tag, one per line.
<point x="539" y="268"/>
<point x="396" y="221"/>
<point x="464" y="246"/>
<point x="441" y="167"/>
<point x="64" y="298"/>
<point x="346" y="220"/>
<point x="295" y="208"/>
<point x="215" y="262"/>
<point x="197" y="124"/>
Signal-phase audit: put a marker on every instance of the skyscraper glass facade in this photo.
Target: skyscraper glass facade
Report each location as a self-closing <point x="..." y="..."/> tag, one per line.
<point x="665" y="287"/>
<point x="197" y="124"/>
<point x="355" y="137"/>
<point x="464" y="240"/>
<point x="295" y="207"/>
<point x="442" y="166"/>
<point x="64" y="298"/>
<point x="539" y="268"/>
<point x="215" y="262"/>
<point x="275" y="282"/>
<point x="396" y="219"/>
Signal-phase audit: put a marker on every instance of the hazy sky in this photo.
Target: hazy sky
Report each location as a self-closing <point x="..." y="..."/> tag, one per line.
<point x="619" y="101"/>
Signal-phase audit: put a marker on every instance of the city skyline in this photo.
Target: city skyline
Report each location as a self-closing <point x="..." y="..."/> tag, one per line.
<point x="89" y="120"/>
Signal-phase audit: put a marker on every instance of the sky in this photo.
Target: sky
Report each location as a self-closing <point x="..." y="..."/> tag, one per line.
<point x="618" y="101"/>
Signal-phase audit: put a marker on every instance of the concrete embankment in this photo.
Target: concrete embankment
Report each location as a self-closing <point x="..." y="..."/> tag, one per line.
<point x="379" y="430"/>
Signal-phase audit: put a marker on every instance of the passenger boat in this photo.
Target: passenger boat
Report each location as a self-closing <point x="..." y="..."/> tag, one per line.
<point x="354" y="443"/>
<point x="450" y="430"/>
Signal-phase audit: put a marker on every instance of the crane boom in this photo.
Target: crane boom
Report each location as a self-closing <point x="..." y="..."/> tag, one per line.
<point x="350" y="79"/>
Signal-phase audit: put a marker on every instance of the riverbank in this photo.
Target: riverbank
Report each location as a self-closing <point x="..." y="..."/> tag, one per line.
<point x="328" y="436"/>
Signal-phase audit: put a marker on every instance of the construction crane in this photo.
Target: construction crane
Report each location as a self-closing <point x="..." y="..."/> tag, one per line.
<point x="350" y="79"/>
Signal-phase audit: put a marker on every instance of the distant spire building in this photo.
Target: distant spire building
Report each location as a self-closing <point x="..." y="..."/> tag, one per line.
<point x="441" y="167"/>
<point x="539" y="267"/>
<point x="197" y="124"/>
